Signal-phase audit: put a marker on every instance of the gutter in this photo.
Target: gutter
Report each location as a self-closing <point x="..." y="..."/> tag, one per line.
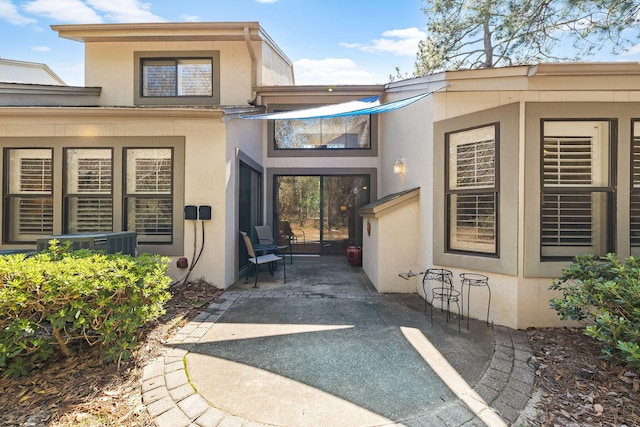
<point x="254" y="72"/>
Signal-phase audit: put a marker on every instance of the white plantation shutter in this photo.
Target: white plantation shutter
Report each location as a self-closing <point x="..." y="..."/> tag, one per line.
<point x="29" y="193"/>
<point x="634" y="214"/>
<point x="149" y="200"/>
<point x="472" y="187"/>
<point x="575" y="181"/>
<point x="89" y="201"/>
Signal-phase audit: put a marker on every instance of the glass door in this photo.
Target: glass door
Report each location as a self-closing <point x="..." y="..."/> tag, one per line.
<point x="249" y="206"/>
<point x="319" y="214"/>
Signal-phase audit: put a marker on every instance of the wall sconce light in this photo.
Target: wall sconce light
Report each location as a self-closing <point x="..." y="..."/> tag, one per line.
<point x="398" y="167"/>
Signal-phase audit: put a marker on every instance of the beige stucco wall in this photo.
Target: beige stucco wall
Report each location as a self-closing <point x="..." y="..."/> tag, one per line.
<point x="274" y="70"/>
<point x="407" y="134"/>
<point x="390" y="249"/>
<point x="208" y="164"/>
<point x="519" y="299"/>
<point x="111" y="66"/>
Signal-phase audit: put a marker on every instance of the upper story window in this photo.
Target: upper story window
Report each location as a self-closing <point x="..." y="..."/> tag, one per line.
<point x="472" y="190"/>
<point x="335" y="133"/>
<point x="577" y="188"/>
<point x="177" y="78"/>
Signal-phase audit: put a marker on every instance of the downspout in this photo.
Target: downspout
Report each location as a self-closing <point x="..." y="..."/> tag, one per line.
<point x="254" y="71"/>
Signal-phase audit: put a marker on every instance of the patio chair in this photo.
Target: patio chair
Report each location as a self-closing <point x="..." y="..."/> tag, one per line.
<point x="266" y="242"/>
<point x="257" y="261"/>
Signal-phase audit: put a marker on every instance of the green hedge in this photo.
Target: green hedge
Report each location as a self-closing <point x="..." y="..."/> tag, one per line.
<point x="605" y="294"/>
<point x="62" y="297"/>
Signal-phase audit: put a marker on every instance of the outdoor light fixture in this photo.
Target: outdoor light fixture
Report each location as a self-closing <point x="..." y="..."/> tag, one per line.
<point x="398" y="167"/>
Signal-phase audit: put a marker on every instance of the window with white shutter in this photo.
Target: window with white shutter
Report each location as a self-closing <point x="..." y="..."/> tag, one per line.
<point x="634" y="202"/>
<point x="472" y="190"/>
<point x="149" y="194"/>
<point x="88" y="190"/>
<point x="576" y="188"/>
<point x="29" y="193"/>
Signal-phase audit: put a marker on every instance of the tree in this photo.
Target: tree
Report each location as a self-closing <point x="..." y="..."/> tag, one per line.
<point x="494" y="33"/>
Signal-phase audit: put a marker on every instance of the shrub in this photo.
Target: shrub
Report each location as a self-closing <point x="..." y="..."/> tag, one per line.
<point x="604" y="293"/>
<point x="59" y="297"/>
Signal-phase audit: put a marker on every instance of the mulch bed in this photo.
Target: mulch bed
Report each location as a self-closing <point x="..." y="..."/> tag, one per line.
<point x="578" y="387"/>
<point x="83" y="391"/>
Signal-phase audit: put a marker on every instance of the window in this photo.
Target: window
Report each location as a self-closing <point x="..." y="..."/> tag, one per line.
<point x="177" y="78"/>
<point x="472" y="190"/>
<point x="577" y="191"/>
<point x="89" y="197"/>
<point x="103" y="185"/>
<point x="149" y="194"/>
<point x="351" y="132"/>
<point x="28" y="194"/>
<point x="634" y="227"/>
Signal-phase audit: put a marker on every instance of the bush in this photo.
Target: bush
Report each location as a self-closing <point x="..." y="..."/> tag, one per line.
<point x="60" y="297"/>
<point x="605" y="294"/>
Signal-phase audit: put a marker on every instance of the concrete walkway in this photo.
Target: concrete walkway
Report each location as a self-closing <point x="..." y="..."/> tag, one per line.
<point x="327" y="350"/>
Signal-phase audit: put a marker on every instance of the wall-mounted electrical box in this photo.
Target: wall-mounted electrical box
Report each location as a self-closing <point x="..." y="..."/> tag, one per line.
<point x="204" y="212"/>
<point x="191" y="212"/>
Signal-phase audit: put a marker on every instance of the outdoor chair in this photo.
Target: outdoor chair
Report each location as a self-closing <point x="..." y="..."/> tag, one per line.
<point x="266" y="242"/>
<point x="270" y="259"/>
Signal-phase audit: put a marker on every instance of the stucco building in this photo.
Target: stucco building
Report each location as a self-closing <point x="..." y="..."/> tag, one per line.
<point x="506" y="172"/>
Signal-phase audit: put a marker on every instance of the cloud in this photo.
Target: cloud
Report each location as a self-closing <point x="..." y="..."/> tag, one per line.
<point x="191" y="18"/>
<point x="337" y="71"/>
<point x="67" y="11"/>
<point x="9" y="13"/>
<point x="125" y="10"/>
<point x="92" y="11"/>
<point x="266" y="1"/>
<point x="402" y="42"/>
<point x="41" y="48"/>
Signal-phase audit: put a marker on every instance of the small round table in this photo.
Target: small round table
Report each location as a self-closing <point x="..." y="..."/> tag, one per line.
<point x="476" y="280"/>
<point x="444" y="291"/>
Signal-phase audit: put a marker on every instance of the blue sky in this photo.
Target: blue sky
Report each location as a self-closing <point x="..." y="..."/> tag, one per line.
<point x="329" y="41"/>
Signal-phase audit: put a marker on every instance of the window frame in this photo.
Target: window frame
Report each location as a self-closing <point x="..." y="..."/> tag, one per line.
<point x="8" y="218"/>
<point x="608" y="191"/>
<point x="58" y="144"/>
<point x="321" y="122"/>
<point x="213" y="55"/>
<point x="68" y="196"/>
<point x="633" y="190"/>
<point x="372" y="151"/>
<point x="479" y="191"/>
<point x="127" y="195"/>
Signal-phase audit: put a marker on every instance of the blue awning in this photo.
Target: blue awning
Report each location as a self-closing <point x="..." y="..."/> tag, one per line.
<point x="370" y="105"/>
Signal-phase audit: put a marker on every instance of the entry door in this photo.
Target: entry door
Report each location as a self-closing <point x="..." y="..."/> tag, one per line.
<point x="320" y="213"/>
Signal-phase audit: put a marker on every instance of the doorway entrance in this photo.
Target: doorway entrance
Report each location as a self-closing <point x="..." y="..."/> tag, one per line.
<point x="319" y="213"/>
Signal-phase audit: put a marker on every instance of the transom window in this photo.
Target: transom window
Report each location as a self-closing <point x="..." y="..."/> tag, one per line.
<point x="351" y="132"/>
<point x="576" y="188"/>
<point x="472" y="190"/>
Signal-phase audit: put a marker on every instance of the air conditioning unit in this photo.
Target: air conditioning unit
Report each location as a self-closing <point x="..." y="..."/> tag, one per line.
<point x="111" y="243"/>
